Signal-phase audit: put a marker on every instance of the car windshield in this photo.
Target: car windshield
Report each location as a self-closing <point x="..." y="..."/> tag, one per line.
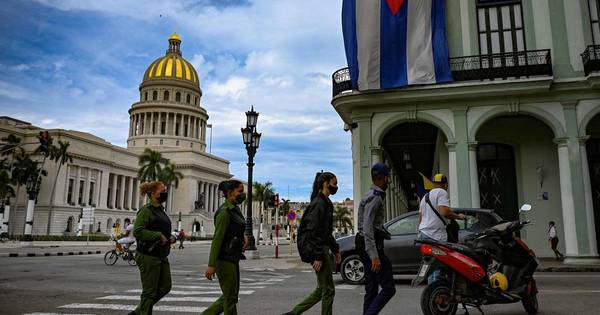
<point x="477" y="221"/>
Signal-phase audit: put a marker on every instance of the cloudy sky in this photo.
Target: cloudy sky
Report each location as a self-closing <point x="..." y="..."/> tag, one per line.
<point x="77" y="64"/>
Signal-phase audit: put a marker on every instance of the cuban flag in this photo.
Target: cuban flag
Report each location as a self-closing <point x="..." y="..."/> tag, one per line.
<point x="394" y="43"/>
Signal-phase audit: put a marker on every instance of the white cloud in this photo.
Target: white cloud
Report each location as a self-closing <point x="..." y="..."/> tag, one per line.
<point x="234" y="88"/>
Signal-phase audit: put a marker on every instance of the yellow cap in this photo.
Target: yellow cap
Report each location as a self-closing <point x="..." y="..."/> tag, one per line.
<point x="499" y="281"/>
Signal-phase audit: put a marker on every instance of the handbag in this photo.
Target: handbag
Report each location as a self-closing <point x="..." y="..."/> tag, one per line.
<point x="451" y="227"/>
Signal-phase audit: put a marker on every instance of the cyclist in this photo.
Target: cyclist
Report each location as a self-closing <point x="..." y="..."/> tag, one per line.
<point x="128" y="237"/>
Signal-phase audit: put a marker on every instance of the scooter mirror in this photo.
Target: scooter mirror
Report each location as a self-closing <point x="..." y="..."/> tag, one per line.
<point x="526" y="207"/>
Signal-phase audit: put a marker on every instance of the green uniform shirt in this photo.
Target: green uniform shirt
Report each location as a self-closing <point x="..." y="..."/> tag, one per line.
<point x="221" y="225"/>
<point x="143" y="218"/>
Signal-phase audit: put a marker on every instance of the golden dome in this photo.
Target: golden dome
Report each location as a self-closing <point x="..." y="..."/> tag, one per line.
<point x="172" y="65"/>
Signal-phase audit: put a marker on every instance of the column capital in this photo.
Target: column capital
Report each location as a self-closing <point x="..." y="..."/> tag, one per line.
<point x="570" y="105"/>
<point x="583" y="139"/>
<point x="472" y="145"/>
<point x="460" y="110"/>
<point x="361" y="117"/>
<point x="451" y="146"/>
<point x="561" y="142"/>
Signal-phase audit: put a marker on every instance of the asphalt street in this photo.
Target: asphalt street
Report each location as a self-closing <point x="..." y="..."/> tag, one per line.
<point x="85" y="285"/>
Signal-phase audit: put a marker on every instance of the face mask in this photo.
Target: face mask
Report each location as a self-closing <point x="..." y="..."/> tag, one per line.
<point x="163" y="197"/>
<point x="240" y="198"/>
<point x="332" y="189"/>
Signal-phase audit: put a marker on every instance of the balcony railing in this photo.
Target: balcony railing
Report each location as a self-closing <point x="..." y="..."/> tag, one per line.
<point x="591" y="59"/>
<point x="481" y="67"/>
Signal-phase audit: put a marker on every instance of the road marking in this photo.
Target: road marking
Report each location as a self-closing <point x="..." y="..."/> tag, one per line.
<point x="569" y="291"/>
<point x="164" y="299"/>
<point x="545" y="275"/>
<point x="54" y="314"/>
<point x="242" y="292"/>
<point x="210" y="287"/>
<point x="345" y="287"/>
<point x="274" y="280"/>
<point x="119" y="307"/>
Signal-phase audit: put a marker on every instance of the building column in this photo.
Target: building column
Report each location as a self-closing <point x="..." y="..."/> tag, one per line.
<point x="130" y="203"/>
<point x="463" y="177"/>
<point x="452" y="174"/>
<point x="86" y="188"/>
<point x="187" y="128"/>
<point x="205" y="190"/>
<point x="473" y="171"/>
<point x="587" y="190"/>
<point x="76" y="186"/>
<point x="97" y="188"/>
<point x="136" y="199"/>
<point x="181" y="126"/>
<point x="159" y="129"/>
<point x="122" y="193"/>
<point x="152" y="123"/>
<point x="211" y="196"/>
<point x="113" y="192"/>
<point x="215" y="197"/>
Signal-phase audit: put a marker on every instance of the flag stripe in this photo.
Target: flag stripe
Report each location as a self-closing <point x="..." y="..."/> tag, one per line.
<point x="441" y="56"/>
<point x="393" y="46"/>
<point x="368" y="40"/>
<point x="350" y="42"/>
<point x="419" y="53"/>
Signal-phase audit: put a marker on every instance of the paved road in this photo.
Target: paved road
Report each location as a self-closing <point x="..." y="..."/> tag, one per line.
<point x="84" y="285"/>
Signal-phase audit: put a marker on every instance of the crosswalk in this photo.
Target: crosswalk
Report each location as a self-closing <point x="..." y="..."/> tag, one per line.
<point x="188" y="294"/>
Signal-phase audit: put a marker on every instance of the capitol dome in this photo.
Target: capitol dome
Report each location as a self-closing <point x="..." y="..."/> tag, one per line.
<point x="172" y="66"/>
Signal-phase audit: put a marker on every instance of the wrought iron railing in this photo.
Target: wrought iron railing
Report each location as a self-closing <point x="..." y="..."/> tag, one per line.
<point x="591" y="59"/>
<point x="481" y="67"/>
<point x="502" y="66"/>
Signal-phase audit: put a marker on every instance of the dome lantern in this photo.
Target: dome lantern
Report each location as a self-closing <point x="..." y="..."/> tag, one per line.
<point x="174" y="44"/>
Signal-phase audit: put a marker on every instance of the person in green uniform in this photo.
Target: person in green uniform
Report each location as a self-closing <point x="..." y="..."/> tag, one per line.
<point x="152" y="231"/>
<point x="227" y="248"/>
<point x="315" y="241"/>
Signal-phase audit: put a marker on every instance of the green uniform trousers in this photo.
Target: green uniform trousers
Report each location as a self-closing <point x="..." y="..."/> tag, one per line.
<point x="324" y="292"/>
<point x="229" y="281"/>
<point x="155" y="273"/>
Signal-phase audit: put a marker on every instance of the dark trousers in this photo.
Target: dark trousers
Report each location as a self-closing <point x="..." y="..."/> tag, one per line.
<point x="375" y="299"/>
<point x="155" y="274"/>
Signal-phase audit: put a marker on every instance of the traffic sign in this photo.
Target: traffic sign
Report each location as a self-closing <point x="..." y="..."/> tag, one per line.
<point x="291" y="215"/>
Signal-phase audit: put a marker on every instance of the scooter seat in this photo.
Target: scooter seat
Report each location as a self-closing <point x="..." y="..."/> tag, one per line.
<point x="468" y="251"/>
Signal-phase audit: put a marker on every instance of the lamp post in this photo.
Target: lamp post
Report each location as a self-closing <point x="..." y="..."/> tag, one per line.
<point x="251" y="141"/>
<point x="33" y="188"/>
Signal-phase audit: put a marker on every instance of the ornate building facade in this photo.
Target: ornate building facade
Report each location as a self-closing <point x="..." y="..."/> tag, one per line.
<point x="168" y="118"/>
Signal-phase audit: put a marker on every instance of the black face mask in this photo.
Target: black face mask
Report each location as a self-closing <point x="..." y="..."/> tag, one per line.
<point x="332" y="189"/>
<point x="163" y="197"/>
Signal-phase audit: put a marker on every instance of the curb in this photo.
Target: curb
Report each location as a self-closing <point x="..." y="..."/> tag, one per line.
<point x="51" y="254"/>
<point x="569" y="269"/>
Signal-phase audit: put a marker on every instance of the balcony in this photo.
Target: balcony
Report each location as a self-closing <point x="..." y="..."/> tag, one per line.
<point x="591" y="59"/>
<point x="482" y="67"/>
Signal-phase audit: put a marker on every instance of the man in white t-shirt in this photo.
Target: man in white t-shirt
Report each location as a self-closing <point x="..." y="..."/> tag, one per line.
<point x="128" y="238"/>
<point x="430" y="225"/>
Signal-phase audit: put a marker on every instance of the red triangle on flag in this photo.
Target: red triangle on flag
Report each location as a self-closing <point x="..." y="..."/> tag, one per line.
<point x="395" y="5"/>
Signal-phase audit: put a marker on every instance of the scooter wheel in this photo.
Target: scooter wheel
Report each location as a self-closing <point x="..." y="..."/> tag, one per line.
<point x="530" y="301"/>
<point x="435" y="299"/>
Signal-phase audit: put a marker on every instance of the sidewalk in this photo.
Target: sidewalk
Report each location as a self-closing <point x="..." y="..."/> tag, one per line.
<point x="552" y="265"/>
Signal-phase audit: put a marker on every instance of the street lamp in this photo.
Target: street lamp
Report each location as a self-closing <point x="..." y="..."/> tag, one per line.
<point x="251" y="140"/>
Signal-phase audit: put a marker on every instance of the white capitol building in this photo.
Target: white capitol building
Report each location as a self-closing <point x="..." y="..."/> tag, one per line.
<point x="168" y="118"/>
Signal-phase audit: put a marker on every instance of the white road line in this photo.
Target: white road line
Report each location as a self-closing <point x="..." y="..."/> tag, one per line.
<point x="345" y="287"/>
<point x="274" y="280"/>
<point x="568" y="291"/>
<point x="210" y="287"/>
<point x="199" y="299"/>
<point x="119" y="307"/>
<point x="54" y="314"/>
<point x="242" y="292"/>
<point x="547" y="275"/>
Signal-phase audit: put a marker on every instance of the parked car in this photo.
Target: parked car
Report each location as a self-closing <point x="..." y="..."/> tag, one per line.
<point x="401" y="250"/>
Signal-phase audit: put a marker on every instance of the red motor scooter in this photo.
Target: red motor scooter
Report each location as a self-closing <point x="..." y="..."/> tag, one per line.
<point x="492" y="267"/>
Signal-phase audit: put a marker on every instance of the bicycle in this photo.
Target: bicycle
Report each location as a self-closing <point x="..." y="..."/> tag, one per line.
<point x="128" y="255"/>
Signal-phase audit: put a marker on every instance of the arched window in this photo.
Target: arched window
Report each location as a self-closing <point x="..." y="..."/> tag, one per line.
<point x="154" y="95"/>
<point x="146" y="96"/>
<point x="188" y="99"/>
<point x="69" y="228"/>
<point x="177" y="97"/>
<point x="166" y="97"/>
<point x="109" y="224"/>
<point x="196" y="100"/>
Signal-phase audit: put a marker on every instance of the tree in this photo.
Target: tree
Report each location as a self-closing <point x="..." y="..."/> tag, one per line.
<point x="263" y="193"/>
<point x="59" y="155"/>
<point x="10" y="146"/>
<point x="150" y="165"/>
<point x="341" y="217"/>
<point x="169" y="176"/>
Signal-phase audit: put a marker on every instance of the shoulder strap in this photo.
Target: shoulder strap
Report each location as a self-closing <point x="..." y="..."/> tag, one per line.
<point x="434" y="209"/>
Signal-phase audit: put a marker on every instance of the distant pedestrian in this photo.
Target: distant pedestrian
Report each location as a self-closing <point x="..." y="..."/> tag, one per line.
<point x="152" y="231"/>
<point x="227" y="248"/>
<point x="315" y="241"/>
<point x="553" y="239"/>
<point x="181" y="237"/>
<point x="369" y="243"/>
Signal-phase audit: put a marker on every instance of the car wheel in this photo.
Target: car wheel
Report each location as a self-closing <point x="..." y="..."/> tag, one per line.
<point x="353" y="270"/>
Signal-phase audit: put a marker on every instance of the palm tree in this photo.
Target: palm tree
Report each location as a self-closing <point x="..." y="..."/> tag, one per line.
<point x="169" y="176"/>
<point x="10" y="145"/>
<point x="6" y="189"/>
<point x="341" y="216"/>
<point x="59" y="155"/>
<point x="262" y="193"/>
<point x="151" y="168"/>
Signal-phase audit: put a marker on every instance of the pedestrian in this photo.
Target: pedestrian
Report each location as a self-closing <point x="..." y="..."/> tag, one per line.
<point x="152" y="231"/>
<point x="181" y="238"/>
<point x="369" y="243"/>
<point x="227" y="248"/>
<point x="315" y="241"/>
<point x="435" y="216"/>
<point x="553" y="239"/>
